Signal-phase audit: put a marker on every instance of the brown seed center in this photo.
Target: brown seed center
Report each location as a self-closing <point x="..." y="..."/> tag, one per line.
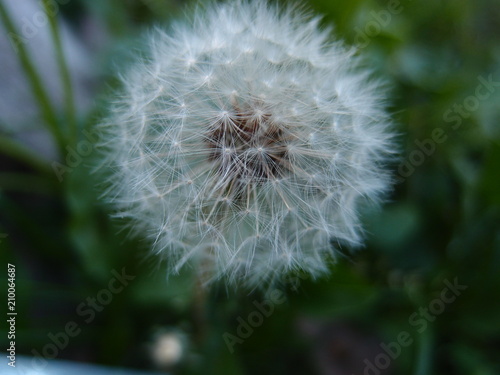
<point x="248" y="147"/>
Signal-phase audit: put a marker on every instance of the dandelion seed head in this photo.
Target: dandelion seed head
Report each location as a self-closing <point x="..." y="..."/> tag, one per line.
<point x="246" y="143"/>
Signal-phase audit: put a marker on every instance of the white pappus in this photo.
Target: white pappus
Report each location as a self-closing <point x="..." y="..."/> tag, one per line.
<point x="246" y="141"/>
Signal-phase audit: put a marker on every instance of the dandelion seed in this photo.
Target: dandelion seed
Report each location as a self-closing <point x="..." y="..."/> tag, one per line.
<point x="246" y="143"/>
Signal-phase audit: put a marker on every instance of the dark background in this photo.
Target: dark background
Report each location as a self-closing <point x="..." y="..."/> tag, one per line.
<point x="440" y="223"/>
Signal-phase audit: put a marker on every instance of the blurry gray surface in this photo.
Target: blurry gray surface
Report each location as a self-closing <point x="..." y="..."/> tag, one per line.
<point x="19" y="111"/>
<point x="26" y="366"/>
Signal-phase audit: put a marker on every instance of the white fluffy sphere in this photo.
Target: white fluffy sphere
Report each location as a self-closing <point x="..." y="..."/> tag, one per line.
<point x="245" y="143"/>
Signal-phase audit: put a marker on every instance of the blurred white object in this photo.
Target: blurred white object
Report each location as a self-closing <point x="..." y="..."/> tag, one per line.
<point x="28" y="366"/>
<point x="167" y="350"/>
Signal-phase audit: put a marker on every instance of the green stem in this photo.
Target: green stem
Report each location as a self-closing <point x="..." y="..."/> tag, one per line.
<point x="23" y="182"/>
<point x="46" y="109"/>
<point x="425" y="352"/>
<point x="65" y="75"/>
<point x="200" y="310"/>
<point x="21" y="153"/>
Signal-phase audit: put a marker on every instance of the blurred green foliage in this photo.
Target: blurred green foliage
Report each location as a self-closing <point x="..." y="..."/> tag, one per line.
<point x="441" y="221"/>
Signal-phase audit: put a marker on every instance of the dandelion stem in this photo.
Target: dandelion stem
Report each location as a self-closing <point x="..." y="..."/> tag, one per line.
<point x="200" y="309"/>
<point x="424" y="359"/>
